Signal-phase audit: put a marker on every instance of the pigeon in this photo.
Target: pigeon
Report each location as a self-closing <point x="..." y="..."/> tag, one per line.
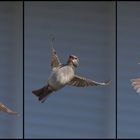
<point x="6" y="109"/>
<point x="62" y="75"/>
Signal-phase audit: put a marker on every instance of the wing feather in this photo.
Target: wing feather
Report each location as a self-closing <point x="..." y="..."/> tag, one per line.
<point x="55" y="62"/>
<point x="83" y="82"/>
<point x="4" y="108"/>
<point x="136" y="84"/>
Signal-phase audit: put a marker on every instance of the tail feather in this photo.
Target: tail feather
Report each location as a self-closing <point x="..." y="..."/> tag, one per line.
<point x="42" y="93"/>
<point x="38" y="92"/>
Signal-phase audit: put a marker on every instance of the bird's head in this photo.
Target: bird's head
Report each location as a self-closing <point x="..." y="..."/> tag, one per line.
<point x="74" y="60"/>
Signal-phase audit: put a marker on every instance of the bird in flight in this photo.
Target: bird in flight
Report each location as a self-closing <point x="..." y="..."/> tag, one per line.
<point x="6" y="109"/>
<point x="62" y="75"/>
<point x="136" y="84"/>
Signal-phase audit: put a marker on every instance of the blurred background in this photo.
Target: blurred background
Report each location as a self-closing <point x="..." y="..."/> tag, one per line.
<point x="11" y="75"/>
<point x="128" y="54"/>
<point x="87" y="30"/>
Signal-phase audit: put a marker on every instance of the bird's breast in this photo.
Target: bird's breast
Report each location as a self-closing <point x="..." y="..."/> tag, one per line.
<point x="61" y="77"/>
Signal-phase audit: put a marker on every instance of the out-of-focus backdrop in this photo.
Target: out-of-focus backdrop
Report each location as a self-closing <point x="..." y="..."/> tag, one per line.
<point x="128" y="55"/>
<point x="11" y="76"/>
<point x="87" y="30"/>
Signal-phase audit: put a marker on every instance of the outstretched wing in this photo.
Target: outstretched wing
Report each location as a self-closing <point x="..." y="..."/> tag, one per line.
<point x="55" y="62"/>
<point x="4" y="108"/>
<point x="136" y="84"/>
<point x="83" y="82"/>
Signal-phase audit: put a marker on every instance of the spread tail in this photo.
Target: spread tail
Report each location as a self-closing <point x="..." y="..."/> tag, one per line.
<point x="43" y="93"/>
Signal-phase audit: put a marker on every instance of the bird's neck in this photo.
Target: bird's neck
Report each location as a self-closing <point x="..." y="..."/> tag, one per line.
<point x="69" y="63"/>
